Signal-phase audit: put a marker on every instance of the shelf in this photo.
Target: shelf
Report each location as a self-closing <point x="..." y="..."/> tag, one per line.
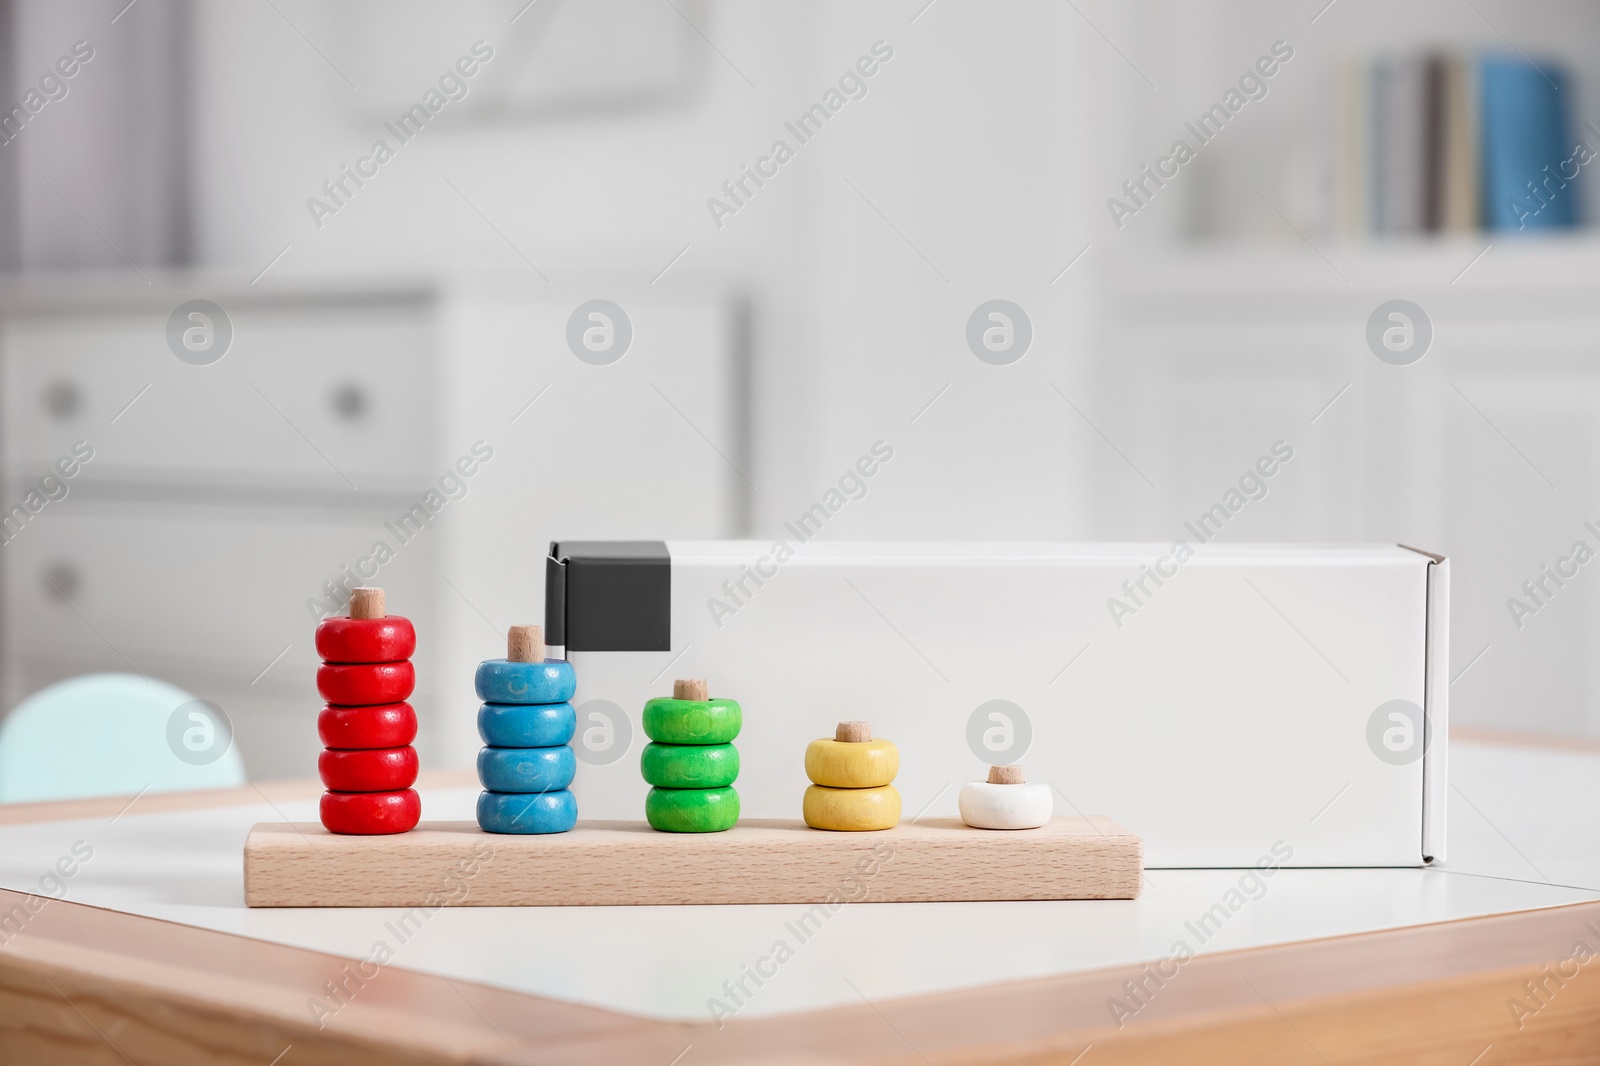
<point x="1568" y="265"/>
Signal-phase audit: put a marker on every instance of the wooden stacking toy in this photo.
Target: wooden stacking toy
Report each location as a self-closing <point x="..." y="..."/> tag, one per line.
<point x="851" y="777"/>
<point x="698" y="851"/>
<point x="691" y="762"/>
<point x="527" y="725"/>
<point x="368" y="765"/>
<point x="1005" y="801"/>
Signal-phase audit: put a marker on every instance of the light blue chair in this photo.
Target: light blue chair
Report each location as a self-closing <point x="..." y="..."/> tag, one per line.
<point x="113" y="735"/>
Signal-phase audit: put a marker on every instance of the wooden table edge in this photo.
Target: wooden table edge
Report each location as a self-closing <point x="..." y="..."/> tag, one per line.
<point x="267" y="792"/>
<point x="78" y="977"/>
<point x="88" y="978"/>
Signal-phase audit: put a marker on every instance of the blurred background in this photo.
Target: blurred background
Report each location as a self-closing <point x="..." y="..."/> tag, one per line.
<point x="284" y="271"/>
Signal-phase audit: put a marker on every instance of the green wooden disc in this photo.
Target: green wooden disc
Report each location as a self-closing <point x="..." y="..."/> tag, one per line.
<point x="670" y="721"/>
<point x="689" y="765"/>
<point x="691" y="810"/>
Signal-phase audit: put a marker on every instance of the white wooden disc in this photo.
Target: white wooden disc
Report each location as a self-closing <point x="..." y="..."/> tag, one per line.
<point x="986" y="806"/>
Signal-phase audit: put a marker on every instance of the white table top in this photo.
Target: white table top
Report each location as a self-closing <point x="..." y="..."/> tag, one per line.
<point x="1522" y="836"/>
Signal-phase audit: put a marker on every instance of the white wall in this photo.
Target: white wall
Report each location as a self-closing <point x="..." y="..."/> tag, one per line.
<point x="987" y="147"/>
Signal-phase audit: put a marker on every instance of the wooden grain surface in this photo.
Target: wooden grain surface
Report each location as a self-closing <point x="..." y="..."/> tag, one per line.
<point x="691" y="688"/>
<point x="366" y="602"/>
<point x="525" y="644"/>
<point x="628" y="863"/>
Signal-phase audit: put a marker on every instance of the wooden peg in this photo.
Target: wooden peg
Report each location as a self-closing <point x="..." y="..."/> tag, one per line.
<point x="852" y="733"/>
<point x="366" y="602"/>
<point x="691" y="688"/>
<point x="1005" y="775"/>
<point x="525" y="644"/>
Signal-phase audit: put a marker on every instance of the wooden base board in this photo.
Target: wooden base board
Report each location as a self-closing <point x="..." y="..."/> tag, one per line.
<point x="629" y="864"/>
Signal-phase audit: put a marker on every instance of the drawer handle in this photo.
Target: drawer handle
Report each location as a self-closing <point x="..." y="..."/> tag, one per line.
<point x="63" y="399"/>
<point x="350" y="402"/>
<point x="61" y="580"/>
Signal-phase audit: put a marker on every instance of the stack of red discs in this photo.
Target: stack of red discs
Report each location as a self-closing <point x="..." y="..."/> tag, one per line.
<point x="366" y="675"/>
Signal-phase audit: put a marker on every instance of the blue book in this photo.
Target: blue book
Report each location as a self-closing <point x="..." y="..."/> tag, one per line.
<point x="1528" y="161"/>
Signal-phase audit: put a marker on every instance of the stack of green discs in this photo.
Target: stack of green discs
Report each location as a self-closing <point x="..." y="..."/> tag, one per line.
<point x="691" y="763"/>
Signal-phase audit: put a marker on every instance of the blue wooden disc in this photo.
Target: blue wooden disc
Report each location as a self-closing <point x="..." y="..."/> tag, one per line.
<point x="510" y="812"/>
<point x="503" y="681"/>
<point x="514" y="725"/>
<point x="526" y="769"/>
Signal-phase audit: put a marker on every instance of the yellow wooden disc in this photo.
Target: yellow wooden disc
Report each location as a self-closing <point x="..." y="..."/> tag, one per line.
<point x="838" y="764"/>
<point x="852" y="809"/>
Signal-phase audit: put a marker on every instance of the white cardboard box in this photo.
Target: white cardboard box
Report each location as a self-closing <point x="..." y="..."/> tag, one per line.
<point x="1240" y="707"/>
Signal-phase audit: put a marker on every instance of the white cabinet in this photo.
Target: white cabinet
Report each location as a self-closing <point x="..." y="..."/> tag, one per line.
<point x="219" y="498"/>
<point x="314" y="395"/>
<point x="1487" y="449"/>
<point x="195" y="544"/>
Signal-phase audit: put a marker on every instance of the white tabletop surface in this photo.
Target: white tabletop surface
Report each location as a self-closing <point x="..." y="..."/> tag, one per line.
<point x="1522" y="835"/>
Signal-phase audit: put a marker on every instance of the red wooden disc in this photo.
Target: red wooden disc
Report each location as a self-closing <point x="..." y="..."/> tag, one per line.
<point x="365" y="684"/>
<point x="366" y="640"/>
<point x="378" y="770"/>
<point x="371" y="813"/>
<point x="393" y="725"/>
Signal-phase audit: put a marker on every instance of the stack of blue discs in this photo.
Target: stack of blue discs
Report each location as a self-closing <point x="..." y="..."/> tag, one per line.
<point x="527" y="724"/>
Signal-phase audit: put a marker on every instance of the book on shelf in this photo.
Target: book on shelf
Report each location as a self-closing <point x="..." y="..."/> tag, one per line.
<point x="1526" y="169"/>
<point x="1452" y="143"/>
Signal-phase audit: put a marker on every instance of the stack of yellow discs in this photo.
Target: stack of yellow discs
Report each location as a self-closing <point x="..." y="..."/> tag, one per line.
<point x="851" y="777"/>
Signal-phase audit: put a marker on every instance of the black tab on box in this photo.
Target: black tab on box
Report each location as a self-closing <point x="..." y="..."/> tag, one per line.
<point x="609" y="595"/>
